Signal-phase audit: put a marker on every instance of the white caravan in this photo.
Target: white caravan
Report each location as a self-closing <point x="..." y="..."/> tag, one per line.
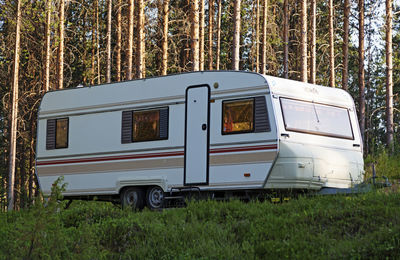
<point x="220" y="132"/>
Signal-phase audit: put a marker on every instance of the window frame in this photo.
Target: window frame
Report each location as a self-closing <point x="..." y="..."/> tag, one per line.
<point x="243" y="131"/>
<point x="158" y="109"/>
<point x="54" y="140"/>
<point x="315" y="132"/>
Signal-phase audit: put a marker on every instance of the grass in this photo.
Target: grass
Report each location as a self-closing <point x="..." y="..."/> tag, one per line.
<point x="332" y="227"/>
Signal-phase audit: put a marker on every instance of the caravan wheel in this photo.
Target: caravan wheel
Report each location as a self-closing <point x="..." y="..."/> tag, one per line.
<point x="155" y="197"/>
<point x="132" y="198"/>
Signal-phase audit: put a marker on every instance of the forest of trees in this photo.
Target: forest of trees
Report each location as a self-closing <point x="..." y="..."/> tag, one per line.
<point x="53" y="44"/>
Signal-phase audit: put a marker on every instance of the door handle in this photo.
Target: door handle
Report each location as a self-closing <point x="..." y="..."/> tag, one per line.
<point x="204" y="127"/>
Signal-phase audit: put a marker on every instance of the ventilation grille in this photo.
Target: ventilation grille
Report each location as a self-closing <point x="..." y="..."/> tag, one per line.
<point x="164" y="123"/>
<point x="51" y="134"/>
<point x="261" y="115"/>
<point x="126" y="132"/>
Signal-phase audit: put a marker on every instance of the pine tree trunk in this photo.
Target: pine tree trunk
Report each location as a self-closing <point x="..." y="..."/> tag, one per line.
<point x="368" y="102"/>
<point x="303" y="48"/>
<point x="389" y="74"/>
<point x="109" y="15"/>
<point x="165" y="38"/>
<point x="119" y="39"/>
<point x="195" y="34"/>
<point x="217" y="61"/>
<point x="61" y="46"/>
<point x="210" y="33"/>
<point x="31" y="158"/>
<point x="252" y="51"/>
<point x="313" y="62"/>
<point x="257" y="33"/>
<point x="286" y="39"/>
<point x="93" y="58"/>
<point x="236" y="36"/>
<point x="361" y="76"/>
<point x="14" y="113"/>
<point x="201" y="36"/>
<point x="346" y="31"/>
<point x="331" y="47"/>
<point x="264" y="39"/>
<point x="46" y="85"/>
<point x="97" y="43"/>
<point x="129" y="56"/>
<point x="22" y="179"/>
<point x="140" y="54"/>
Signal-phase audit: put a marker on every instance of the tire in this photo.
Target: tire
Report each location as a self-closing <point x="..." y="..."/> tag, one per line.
<point x="155" y="198"/>
<point x="132" y="197"/>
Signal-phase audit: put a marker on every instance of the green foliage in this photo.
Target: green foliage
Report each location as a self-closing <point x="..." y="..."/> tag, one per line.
<point x="385" y="165"/>
<point x="362" y="226"/>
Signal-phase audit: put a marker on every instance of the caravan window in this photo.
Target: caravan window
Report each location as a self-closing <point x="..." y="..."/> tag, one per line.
<point x="238" y="116"/>
<point x="57" y="133"/>
<point x="62" y="133"/>
<point x="248" y="115"/>
<point x="144" y="125"/>
<point x="318" y="119"/>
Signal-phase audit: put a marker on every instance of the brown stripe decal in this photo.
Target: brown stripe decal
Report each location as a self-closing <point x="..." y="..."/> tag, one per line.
<point x="155" y="155"/>
<point x="224" y="159"/>
<point x="242" y="158"/>
<point x="112" y="158"/>
<point x="111" y="167"/>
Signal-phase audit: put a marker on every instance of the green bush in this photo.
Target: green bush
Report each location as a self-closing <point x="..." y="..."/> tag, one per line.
<point x="385" y="165"/>
<point x="359" y="226"/>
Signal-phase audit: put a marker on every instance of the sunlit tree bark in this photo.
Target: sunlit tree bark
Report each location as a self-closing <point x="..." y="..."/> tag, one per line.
<point x="286" y="39"/>
<point x="210" y="34"/>
<point x="14" y="112"/>
<point x="331" y="47"/>
<point x="46" y="85"/>
<point x="257" y="34"/>
<point x="264" y="39"/>
<point x="109" y="15"/>
<point x="97" y="42"/>
<point x="303" y="43"/>
<point x="346" y="31"/>
<point x="129" y="56"/>
<point x="236" y="36"/>
<point x="140" y="54"/>
<point x="389" y="74"/>
<point x="218" y="58"/>
<point x="313" y="58"/>
<point x="119" y="40"/>
<point x="201" y="35"/>
<point x="361" y="73"/>
<point x="195" y="34"/>
<point x="164" y="44"/>
<point x="61" y="45"/>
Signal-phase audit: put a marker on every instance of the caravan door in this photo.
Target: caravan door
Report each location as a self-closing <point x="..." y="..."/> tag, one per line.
<point x="197" y="135"/>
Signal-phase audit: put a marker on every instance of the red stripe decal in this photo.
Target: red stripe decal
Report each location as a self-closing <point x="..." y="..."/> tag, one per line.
<point x="244" y="149"/>
<point x="155" y="155"/>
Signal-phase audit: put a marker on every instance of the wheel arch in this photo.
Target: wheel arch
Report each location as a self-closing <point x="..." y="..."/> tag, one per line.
<point x="142" y="183"/>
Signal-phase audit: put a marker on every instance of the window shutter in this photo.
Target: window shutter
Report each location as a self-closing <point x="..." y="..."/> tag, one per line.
<point x="51" y="134"/>
<point x="126" y="130"/>
<point x="261" y="115"/>
<point x="164" y="123"/>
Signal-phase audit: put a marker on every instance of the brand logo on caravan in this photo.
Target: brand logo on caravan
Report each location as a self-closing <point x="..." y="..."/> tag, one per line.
<point x="311" y="90"/>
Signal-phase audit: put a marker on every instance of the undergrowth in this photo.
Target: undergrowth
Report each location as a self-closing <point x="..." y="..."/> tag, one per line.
<point x="359" y="226"/>
<point x="385" y="165"/>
